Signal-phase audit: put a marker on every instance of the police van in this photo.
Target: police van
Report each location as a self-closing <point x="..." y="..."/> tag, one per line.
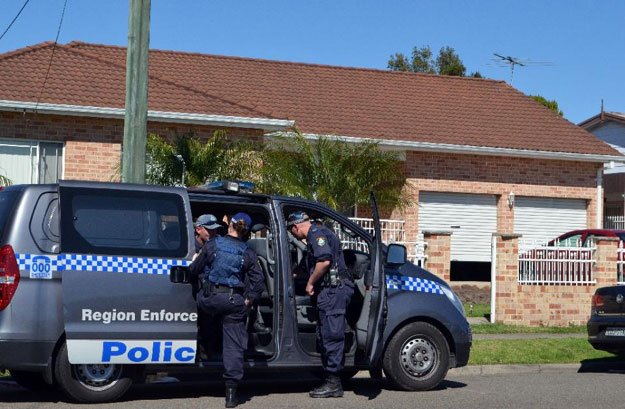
<point x="95" y="295"/>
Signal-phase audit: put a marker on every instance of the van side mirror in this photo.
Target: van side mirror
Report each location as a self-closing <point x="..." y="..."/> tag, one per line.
<point x="179" y="274"/>
<point x="396" y="254"/>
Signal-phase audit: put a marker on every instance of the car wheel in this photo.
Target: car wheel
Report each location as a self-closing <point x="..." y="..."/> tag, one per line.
<point x="417" y="357"/>
<point x="91" y="383"/>
<point x="31" y="380"/>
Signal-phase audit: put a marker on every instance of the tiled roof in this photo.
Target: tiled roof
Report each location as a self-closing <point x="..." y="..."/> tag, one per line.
<point x="321" y="99"/>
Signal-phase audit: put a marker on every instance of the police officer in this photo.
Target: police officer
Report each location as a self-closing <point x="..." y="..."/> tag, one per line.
<point x="206" y="227"/>
<point x="331" y="288"/>
<point x="232" y="282"/>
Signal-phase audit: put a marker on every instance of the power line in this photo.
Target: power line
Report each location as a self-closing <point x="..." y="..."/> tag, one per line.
<point x="58" y="31"/>
<point x="14" y="19"/>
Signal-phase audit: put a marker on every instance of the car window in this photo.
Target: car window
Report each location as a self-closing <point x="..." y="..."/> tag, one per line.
<point x="101" y="221"/>
<point x="571" y="241"/>
<point x="7" y="200"/>
<point x="44" y="223"/>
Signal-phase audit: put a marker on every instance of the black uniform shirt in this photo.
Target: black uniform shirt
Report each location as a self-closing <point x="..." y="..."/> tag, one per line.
<point x="323" y="245"/>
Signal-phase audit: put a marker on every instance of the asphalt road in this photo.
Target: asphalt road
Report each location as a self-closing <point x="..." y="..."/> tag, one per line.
<point x="566" y="389"/>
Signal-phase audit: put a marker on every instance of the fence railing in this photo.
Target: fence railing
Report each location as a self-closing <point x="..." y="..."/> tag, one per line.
<point x="614" y="222"/>
<point x="572" y="265"/>
<point x="393" y="231"/>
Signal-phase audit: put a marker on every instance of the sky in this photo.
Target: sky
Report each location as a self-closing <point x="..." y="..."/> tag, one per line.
<point x="573" y="48"/>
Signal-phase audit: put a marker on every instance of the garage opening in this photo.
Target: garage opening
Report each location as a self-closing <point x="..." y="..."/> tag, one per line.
<point x="472" y="219"/>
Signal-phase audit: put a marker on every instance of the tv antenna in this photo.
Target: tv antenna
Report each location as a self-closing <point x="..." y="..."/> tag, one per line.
<point x="503" y="60"/>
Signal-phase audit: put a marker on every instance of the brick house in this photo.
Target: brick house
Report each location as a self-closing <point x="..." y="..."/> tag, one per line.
<point x="610" y="128"/>
<point x="481" y="156"/>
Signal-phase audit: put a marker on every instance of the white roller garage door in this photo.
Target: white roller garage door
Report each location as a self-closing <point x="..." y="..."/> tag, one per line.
<point x="539" y="219"/>
<point x="471" y="218"/>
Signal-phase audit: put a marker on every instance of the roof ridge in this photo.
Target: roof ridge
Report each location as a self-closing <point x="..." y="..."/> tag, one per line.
<point x="27" y="49"/>
<point x="279" y="62"/>
<point x="73" y="49"/>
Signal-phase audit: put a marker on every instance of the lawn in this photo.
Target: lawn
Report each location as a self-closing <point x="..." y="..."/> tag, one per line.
<point x="534" y="351"/>
<point x="518" y="329"/>
<point x="476" y="310"/>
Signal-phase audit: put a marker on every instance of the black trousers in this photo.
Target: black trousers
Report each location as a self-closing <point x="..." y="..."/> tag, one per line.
<point x="231" y="310"/>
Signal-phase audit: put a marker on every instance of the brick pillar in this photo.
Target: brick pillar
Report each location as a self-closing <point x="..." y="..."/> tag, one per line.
<point x="606" y="261"/>
<point x="438" y="253"/>
<point x="507" y="306"/>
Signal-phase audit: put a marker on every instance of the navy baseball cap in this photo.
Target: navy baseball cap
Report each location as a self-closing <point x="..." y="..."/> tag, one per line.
<point x="296" y="217"/>
<point x="242" y="217"/>
<point x="208" y="221"/>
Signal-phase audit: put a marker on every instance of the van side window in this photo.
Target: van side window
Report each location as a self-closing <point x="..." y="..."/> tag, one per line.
<point x="101" y="221"/>
<point x="44" y="224"/>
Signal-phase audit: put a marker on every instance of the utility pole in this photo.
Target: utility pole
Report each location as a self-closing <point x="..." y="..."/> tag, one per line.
<point x="135" y="122"/>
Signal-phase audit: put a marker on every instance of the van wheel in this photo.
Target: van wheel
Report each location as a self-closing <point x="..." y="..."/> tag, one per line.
<point x="30" y="380"/>
<point x="91" y="383"/>
<point x="417" y="357"/>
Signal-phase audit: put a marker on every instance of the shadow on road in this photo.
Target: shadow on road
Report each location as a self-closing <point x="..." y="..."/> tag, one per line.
<point x="602" y="365"/>
<point x="369" y="388"/>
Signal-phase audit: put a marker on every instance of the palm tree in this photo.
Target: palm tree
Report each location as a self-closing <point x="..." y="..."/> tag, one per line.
<point x="5" y="181"/>
<point x="216" y="158"/>
<point x="334" y="172"/>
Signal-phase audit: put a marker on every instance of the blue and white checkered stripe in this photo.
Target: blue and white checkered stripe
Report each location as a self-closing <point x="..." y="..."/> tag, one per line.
<point x="110" y="264"/>
<point x="406" y="283"/>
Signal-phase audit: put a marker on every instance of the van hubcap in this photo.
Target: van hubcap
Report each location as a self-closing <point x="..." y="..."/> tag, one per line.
<point x="418" y="356"/>
<point x="97" y="376"/>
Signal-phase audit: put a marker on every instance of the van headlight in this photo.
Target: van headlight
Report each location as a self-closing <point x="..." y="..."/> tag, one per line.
<point x="453" y="298"/>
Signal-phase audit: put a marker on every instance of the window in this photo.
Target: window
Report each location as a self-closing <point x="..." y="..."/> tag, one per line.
<point x="101" y="221"/>
<point x="31" y="161"/>
<point x="7" y="200"/>
<point x="571" y="241"/>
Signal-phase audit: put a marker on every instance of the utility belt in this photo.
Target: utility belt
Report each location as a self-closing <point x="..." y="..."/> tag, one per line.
<point x="334" y="278"/>
<point x="210" y="288"/>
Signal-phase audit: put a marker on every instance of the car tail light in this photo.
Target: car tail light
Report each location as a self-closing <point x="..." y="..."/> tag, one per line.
<point x="597" y="301"/>
<point x="9" y="275"/>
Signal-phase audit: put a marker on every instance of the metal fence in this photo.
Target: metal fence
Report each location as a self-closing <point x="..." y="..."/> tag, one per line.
<point x="556" y="264"/>
<point x="393" y="231"/>
<point x="614" y="222"/>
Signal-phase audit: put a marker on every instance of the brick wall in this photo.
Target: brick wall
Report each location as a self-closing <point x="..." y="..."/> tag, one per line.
<point x="438" y="253"/>
<point x="496" y="175"/>
<point x="547" y="305"/>
<point x="93" y="146"/>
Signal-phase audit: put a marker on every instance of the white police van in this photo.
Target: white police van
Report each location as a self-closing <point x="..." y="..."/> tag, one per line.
<point x="94" y="292"/>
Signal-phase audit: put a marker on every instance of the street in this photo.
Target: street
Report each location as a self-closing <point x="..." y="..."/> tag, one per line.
<point x="565" y="389"/>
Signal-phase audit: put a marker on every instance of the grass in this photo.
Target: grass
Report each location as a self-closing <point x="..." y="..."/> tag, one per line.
<point x="4" y="373"/>
<point x="518" y="329"/>
<point x="476" y="310"/>
<point x="534" y="351"/>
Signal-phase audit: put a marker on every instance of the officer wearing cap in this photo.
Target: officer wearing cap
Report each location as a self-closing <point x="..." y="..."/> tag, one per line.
<point x="232" y="282"/>
<point x="206" y="228"/>
<point x="331" y="287"/>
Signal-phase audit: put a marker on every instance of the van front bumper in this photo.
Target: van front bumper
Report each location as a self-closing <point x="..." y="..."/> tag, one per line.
<point x="26" y="355"/>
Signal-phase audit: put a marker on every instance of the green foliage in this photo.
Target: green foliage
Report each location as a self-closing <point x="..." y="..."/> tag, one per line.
<point x="447" y="62"/>
<point x="476" y="310"/>
<point x="5" y="181"/>
<point x="551" y="104"/>
<point x="213" y="159"/>
<point x="334" y="172"/>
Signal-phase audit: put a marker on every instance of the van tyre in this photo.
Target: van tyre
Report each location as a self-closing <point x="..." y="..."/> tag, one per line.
<point x="417" y="357"/>
<point x="91" y="383"/>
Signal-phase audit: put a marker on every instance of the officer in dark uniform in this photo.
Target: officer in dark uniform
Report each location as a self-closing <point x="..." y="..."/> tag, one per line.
<point x="232" y="282"/>
<point x="331" y="287"/>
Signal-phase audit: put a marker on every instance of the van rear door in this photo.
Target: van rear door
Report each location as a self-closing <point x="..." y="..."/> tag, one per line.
<point x="118" y="244"/>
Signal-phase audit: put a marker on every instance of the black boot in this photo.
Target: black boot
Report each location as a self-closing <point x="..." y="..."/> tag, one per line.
<point x="231" y="396"/>
<point x="331" y="388"/>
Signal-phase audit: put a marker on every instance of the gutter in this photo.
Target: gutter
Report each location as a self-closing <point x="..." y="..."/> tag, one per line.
<point x="466" y="149"/>
<point x="268" y="124"/>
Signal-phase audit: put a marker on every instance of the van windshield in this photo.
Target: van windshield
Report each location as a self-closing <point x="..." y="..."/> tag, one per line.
<point x="7" y="199"/>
